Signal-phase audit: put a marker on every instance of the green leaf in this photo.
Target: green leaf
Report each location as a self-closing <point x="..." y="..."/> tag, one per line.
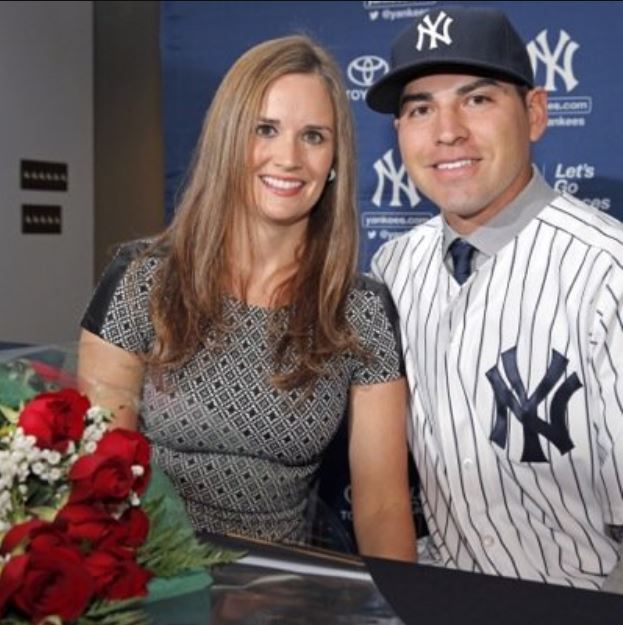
<point x="126" y="612"/>
<point x="8" y="418"/>
<point x="171" y="550"/>
<point x="18" y="383"/>
<point x="51" y="620"/>
<point x="40" y="493"/>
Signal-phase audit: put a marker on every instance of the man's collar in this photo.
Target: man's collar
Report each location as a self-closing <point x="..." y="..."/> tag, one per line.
<point x="491" y="237"/>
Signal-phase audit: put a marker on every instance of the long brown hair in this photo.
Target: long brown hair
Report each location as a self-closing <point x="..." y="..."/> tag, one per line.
<point x="187" y="300"/>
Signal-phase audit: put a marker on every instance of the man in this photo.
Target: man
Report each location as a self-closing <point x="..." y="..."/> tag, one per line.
<point x="511" y="316"/>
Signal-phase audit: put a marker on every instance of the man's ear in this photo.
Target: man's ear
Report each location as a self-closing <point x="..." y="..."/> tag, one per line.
<point x="536" y="103"/>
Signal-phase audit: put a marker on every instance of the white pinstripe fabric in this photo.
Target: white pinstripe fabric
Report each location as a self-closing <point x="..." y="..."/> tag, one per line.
<point x="558" y="286"/>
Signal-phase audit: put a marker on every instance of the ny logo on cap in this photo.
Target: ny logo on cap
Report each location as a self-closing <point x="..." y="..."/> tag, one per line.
<point x="426" y="28"/>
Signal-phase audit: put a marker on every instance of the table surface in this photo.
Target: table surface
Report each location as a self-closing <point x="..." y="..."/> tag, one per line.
<point x="275" y="585"/>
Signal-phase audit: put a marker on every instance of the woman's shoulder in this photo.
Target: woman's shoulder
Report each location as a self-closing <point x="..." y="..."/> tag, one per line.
<point x="365" y="283"/>
<point x="140" y="249"/>
<point x="368" y="298"/>
<point x="367" y="289"/>
<point x="373" y="316"/>
<point x="120" y="302"/>
<point x="140" y="256"/>
<point x="130" y="274"/>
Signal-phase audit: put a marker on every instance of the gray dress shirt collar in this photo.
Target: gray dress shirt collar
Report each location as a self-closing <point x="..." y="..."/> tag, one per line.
<point x="491" y="237"/>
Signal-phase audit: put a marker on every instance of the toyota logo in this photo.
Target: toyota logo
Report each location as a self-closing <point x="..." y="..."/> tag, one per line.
<point x="364" y="70"/>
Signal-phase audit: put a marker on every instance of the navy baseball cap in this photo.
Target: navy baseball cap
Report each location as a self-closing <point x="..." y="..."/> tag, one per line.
<point x="474" y="40"/>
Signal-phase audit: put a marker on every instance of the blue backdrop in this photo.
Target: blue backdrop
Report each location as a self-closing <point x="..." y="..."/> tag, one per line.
<point x="575" y="49"/>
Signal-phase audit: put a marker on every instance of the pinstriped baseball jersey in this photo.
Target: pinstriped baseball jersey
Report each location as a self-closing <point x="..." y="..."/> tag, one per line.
<point x="516" y="382"/>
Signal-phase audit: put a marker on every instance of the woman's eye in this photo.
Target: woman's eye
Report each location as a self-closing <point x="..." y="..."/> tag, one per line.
<point x="265" y="130"/>
<point x="314" y="137"/>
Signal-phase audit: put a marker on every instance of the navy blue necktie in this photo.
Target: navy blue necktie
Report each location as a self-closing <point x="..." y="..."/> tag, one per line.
<point x="461" y="252"/>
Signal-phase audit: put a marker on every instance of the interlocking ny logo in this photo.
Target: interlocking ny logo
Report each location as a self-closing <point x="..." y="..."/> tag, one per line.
<point x="559" y="62"/>
<point x="386" y="170"/>
<point x="430" y="29"/>
<point x="525" y="408"/>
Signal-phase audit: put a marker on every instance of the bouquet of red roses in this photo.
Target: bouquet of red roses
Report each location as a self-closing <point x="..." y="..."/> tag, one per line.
<point x="76" y="543"/>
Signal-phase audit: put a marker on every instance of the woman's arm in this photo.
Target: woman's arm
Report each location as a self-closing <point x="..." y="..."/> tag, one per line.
<point x="382" y="513"/>
<point x="111" y="377"/>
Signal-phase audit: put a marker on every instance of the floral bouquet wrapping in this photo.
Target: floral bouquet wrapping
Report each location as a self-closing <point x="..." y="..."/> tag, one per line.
<point x="81" y="539"/>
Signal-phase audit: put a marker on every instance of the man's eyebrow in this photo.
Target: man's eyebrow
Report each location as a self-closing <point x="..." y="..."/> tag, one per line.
<point x="477" y="84"/>
<point x="422" y="96"/>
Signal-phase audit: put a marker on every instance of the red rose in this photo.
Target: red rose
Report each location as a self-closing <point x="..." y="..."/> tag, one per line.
<point x="11" y="578"/>
<point x="49" y="537"/>
<point x="95" y="526"/>
<point x="42" y="584"/>
<point x="84" y="522"/>
<point x="130" y="531"/>
<point x="55" y="419"/>
<point x="38" y="536"/>
<point x="117" y="575"/>
<point x="108" y="479"/>
<point x="132" y="446"/>
<point x="106" y="475"/>
<point x="19" y="533"/>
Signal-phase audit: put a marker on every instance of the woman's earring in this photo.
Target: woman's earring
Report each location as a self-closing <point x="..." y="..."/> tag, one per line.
<point x="332" y="175"/>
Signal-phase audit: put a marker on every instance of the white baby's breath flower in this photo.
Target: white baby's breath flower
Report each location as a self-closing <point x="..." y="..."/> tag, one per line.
<point x="18" y="456"/>
<point x="23" y="441"/>
<point x="137" y="470"/>
<point x="6" y="470"/>
<point x="38" y="468"/>
<point x="98" y="415"/>
<point x="5" y="504"/>
<point x="93" y="414"/>
<point x="22" y="472"/>
<point x="100" y="432"/>
<point x="89" y="432"/>
<point x="90" y="447"/>
<point x="94" y="432"/>
<point x="54" y="475"/>
<point x="134" y="499"/>
<point x="51" y="456"/>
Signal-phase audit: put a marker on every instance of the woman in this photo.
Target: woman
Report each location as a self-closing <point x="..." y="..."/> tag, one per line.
<point x="242" y="329"/>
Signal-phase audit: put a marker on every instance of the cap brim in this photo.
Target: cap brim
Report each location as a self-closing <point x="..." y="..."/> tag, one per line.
<point x="384" y="96"/>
